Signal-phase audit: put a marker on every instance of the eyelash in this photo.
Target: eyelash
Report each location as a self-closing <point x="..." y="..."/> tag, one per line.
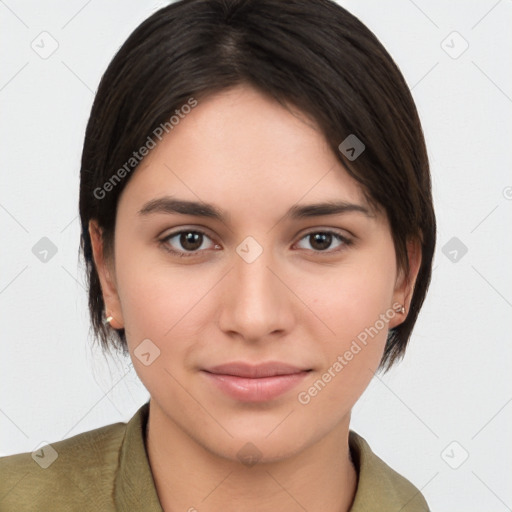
<point x="164" y="242"/>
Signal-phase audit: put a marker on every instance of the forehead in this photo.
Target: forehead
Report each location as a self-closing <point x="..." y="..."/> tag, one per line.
<point x="241" y="149"/>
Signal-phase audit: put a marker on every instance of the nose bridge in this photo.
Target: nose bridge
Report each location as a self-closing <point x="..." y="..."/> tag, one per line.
<point x="255" y="303"/>
<point x="254" y="278"/>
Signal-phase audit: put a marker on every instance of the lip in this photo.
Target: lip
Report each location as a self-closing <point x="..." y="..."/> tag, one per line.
<point x="255" y="383"/>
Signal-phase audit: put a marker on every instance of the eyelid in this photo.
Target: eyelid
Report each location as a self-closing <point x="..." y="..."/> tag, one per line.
<point x="181" y="229"/>
<point x="319" y="229"/>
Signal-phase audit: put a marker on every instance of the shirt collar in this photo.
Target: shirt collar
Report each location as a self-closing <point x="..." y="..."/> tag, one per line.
<point x="378" y="485"/>
<point x="134" y="486"/>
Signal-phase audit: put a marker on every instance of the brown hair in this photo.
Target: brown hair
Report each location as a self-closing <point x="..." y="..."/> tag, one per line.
<point x="312" y="54"/>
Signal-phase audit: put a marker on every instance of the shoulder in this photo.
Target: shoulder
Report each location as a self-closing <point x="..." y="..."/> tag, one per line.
<point x="75" y="472"/>
<point x="380" y="486"/>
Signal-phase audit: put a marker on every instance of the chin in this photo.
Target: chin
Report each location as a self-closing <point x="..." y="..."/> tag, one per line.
<point x="250" y="451"/>
<point x="261" y="441"/>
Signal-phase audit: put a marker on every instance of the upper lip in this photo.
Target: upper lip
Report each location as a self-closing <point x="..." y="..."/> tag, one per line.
<point x="254" y="371"/>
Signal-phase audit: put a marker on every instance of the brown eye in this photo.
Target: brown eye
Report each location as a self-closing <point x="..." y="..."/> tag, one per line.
<point x="190" y="240"/>
<point x="321" y="241"/>
<point x="186" y="242"/>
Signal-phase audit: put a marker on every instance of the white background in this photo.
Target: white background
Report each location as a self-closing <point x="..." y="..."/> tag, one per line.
<point x="454" y="384"/>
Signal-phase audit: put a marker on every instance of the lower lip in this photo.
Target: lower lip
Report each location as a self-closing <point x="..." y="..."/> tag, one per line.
<point x="255" y="390"/>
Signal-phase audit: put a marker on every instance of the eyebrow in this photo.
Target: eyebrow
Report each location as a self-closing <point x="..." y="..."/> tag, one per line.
<point x="171" y="205"/>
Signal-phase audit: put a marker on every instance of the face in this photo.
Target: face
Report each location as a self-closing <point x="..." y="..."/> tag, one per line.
<point x="265" y="323"/>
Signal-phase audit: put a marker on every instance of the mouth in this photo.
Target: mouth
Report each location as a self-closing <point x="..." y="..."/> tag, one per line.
<point x="255" y="383"/>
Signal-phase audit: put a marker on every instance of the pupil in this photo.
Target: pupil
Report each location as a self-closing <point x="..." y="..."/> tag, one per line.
<point x="323" y="238"/>
<point x="189" y="240"/>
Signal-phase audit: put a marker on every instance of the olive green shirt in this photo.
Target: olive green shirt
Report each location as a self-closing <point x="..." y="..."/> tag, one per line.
<point x="107" y="469"/>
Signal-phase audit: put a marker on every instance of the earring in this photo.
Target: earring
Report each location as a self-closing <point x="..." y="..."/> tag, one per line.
<point x="108" y="319"/>
<point x="400" y="309"/>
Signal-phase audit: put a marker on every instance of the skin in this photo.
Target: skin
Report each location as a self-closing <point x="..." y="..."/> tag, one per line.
<point x="296" y="303"/>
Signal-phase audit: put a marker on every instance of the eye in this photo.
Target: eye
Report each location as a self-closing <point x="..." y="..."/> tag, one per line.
<point x="186" y="243"/>
<point x="322" y="240"/>
<point x="190" y="242"/>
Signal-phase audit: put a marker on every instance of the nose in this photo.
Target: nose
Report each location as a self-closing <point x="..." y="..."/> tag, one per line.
<point x="255" y="300"/>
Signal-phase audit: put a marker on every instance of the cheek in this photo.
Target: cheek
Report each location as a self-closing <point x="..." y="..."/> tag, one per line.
<point x="351" y="308"/>
<point x="352" y="301"/>
<point x="154" y="300"/>
<point x="351" y="297"/>
<point x="163" y="302"/>
<point x="163" y="305"/>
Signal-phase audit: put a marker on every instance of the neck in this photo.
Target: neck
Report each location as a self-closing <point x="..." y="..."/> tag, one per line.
<point x="191" y="478"/>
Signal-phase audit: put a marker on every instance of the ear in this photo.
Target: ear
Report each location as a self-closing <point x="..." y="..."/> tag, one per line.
<point x="107" y="277"/>
<point x="404" y="287"/>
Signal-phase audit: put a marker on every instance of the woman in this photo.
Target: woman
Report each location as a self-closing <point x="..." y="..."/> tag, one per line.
<point x="258" y="232"/>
